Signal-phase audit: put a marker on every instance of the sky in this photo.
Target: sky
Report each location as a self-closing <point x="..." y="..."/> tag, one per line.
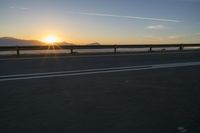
<point x="103" y="21"/>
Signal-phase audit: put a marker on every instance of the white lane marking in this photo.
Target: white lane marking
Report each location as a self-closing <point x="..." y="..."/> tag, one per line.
<point x="73" y="71"/>
<point x="87" y="56"/>
<point x="171" y="65"/>
<point x="103" y="70"/>
<point x="70" y="74"/>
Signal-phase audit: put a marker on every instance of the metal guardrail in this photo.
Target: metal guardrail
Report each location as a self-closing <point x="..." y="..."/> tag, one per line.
<point x="114" y="47"/>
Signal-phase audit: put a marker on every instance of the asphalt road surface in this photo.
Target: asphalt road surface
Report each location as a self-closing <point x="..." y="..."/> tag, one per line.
<point x="140" y="93"/>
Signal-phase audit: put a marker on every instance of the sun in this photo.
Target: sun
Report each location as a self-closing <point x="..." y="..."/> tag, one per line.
<point x="50" y="39"/>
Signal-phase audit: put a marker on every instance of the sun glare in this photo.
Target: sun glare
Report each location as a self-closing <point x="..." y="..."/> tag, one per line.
<point x="50" y="39"/>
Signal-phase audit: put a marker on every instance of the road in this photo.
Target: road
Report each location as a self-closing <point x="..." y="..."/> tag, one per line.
<point x="142" y="93"/>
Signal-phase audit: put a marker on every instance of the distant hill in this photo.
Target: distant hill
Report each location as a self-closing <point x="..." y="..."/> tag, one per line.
<point x="94" y="44"/>
<point x="64" y="43"/>
<point x="10" y="41"/>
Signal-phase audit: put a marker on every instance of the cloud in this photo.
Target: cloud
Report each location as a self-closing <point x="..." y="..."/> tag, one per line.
<point x="190" y="0"/>
<point x="174" y="37"/>
<point x="165" y="38"/>
<point x="24" y="8"/>
<point x="156" y="27"/>
<point x="18" y="8"/>
<point x="131" y="17"/>
<point x="11" y="7"/>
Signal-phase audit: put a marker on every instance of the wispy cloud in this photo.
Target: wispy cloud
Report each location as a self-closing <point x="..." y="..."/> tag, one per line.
<point x="156" y="27"/>
<point x="24" y="8"/>
<point x="130" y="17"/>
<point x="190" y="0"/>
<point x="11" y="7"/>
<point x="165" y="38"/>
<point x="18" y="8"/>
<point x="174" y="37"/>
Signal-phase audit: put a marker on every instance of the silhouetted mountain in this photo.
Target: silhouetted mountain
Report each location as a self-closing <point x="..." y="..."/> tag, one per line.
<point x="94" y="44"/>
<point x="10" y="41"/>
<point x="64" y="43"/>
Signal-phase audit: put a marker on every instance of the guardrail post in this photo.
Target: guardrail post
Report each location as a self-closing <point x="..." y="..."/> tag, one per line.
<point x="150" y="49"/>
<point x="71" y="50"/>
<point x="115" y="49"/>
<point x="181" y="47"/>
<point x="17" y="49"/>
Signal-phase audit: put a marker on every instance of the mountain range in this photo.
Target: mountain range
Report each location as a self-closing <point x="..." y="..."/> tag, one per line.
<point x="10" y="41"/>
